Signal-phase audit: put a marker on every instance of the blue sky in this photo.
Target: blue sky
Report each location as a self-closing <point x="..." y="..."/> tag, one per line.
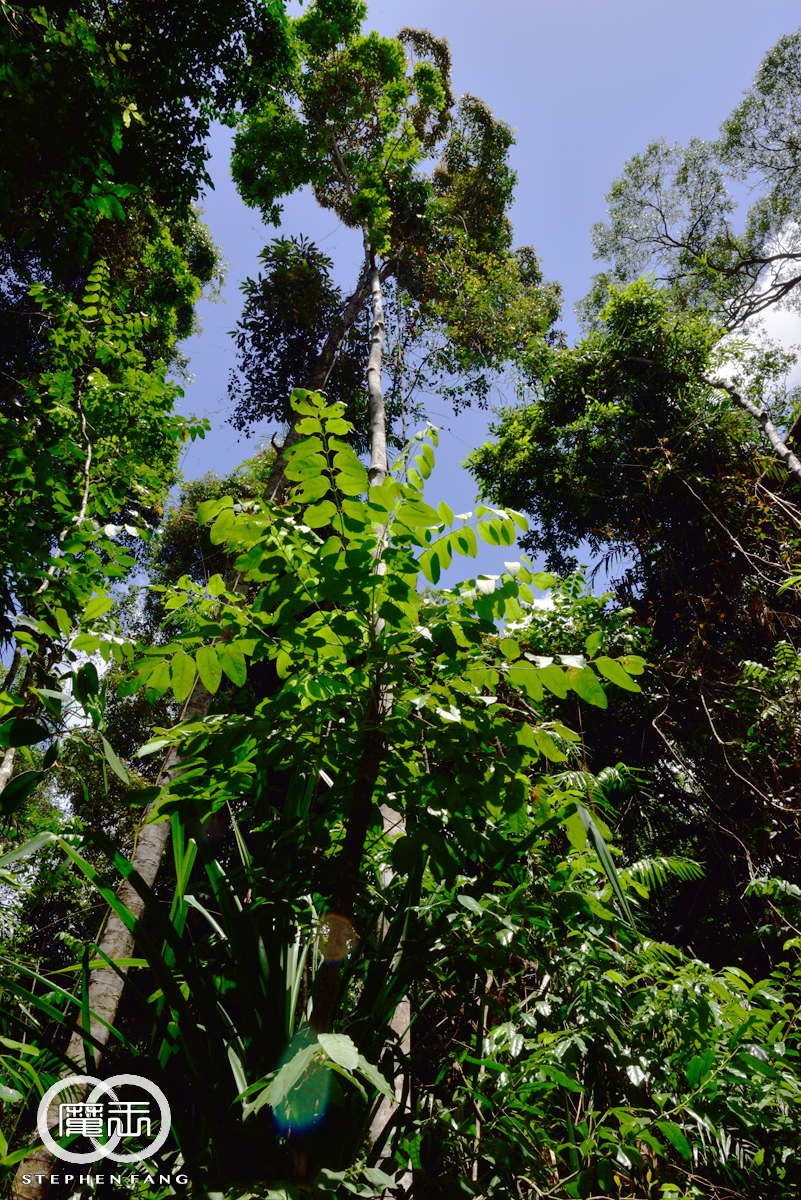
<point x="586" y="84"/>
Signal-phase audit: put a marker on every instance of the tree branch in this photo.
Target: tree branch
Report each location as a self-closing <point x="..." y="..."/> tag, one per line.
<point x="780" y="448"/>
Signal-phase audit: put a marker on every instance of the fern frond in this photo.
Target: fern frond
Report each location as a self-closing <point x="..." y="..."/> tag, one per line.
<point x="653" y="872"/>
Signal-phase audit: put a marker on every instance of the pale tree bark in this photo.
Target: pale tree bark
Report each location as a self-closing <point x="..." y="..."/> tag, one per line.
<point x="780" y="448"/>
<point x="117" y="942"/>
<point x="377" y="471"/>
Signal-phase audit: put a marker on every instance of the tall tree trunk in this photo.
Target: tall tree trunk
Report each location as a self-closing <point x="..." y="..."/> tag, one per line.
<point x="371" y="761"/>
<point x="106" y="986"/>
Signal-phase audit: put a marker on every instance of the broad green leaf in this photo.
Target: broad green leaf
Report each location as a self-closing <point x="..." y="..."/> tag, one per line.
<point x="96" y="607"/>
<point x="464" y="542"/>
<point x="699" y="1068"/>
<point x="612" y="670"/>
<point x="430" y="565"/>
<point x="158" y="680"/>
<point x="316" y="516"/>
<point x="208" y="668"/>
<point x="216" y="585"/>
<point x="488" y="532"/>
<point x="543" y="580"/>
<point x="18" y="790"/>
<point x="182" y="675"/>
<point x="416" y="514"/>
<point x="379" y="1179"/>
<point x="528" y="678"/>
<point x="633" y="663"/>
<point x="375" y="1077"/>
<point x="312" y="490"/>
<point x="554" y="679"/>
<point x="232" y="660"/>
<point x="442" y="549"/>
<point x="11" y="1096"/>
<point x="304" y="467"/>
<point x="676" y="1138"/>
<point x="353" y="481"/>
<point x="211" y="508"/>
<point x="46" y="838"/>
<point x="548" y="746"/>
<point x="593" y="642"/>
<point x="219" y="530"/>
<point x="585" y="684"/>
<point x="22" y="731"/>
<point x="340" y="1048"/>
<point x="510" y="648"/>
<point x="445" y="513"/>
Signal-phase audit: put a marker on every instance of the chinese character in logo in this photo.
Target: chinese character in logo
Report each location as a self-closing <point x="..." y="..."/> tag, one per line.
<point x="128" y="1110"/>
<point x="86" y="1119"/>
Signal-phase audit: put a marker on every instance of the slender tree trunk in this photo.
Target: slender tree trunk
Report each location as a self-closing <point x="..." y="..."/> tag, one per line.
<point x="105" y="985"/>
<point x="372" y="759"/>
<point x="7" y="767"/>
<point x="377" y="471"/>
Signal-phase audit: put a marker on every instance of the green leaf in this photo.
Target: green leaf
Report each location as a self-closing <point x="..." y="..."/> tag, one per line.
<point x="113" y="761"/>
<point x="158" y="681"/>
<point x="464" y="542"/>
<point x="676" y="1138"/>
<point x="340" y="1048"/>
<point x="528" y="678"/>
<point x="378" y="1178"/>
<point x="46" y="838"/>
<point x="375" y="1077"/>
<point x="612" y="670"/>
<point x="182" y="675"/>
<point x="699" y="1068"/>
<point x="602" y="850"/>
<point x="96" y="607"/>
<point x="210" y="508"/>
<point x="633" y="663"/>
<point x="510" y="648"/>
<point x="416" y="514"/>
<point x="554" y="679"/>
<point x="22" y="731"/>
<point x="232" y="660"/>
<point x="216" y="585"/>
<point x="593" y="642"/>
<point x="548" y="746"/>
<point x="18" y="790"/>
<point x="543" y="580"/>
<point x="585" y="684"/>
<point x="318" y="515"/>
<point x="209" y="669"/>
<point x="445" y="513"/>
<point x="312" y="490"/>
<point x="10" y="1095"/>
<point x="352" y="482"/>
<point x="430" y="565"/>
